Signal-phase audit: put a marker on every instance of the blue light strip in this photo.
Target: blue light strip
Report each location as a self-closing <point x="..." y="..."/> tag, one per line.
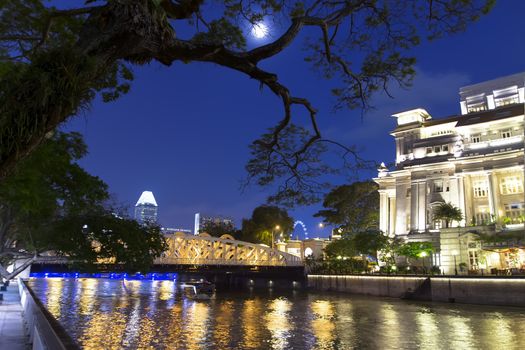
<point x="108" y="275"/>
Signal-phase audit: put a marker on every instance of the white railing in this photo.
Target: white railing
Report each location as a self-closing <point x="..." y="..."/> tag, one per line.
<point x="42" y="334"/>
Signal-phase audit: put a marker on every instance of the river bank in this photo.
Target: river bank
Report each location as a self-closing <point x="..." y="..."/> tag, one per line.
<point x="507" y="291"/>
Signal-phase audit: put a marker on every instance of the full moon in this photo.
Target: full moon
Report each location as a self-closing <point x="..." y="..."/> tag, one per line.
<point x="260" y="30"/>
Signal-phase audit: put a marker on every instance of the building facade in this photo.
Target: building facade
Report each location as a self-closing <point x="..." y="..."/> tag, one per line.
<point x="146" y="209"/>
<point x="475" y="161"/>
<point x="202" y="220"/>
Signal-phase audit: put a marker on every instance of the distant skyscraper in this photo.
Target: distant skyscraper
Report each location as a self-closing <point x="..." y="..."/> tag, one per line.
<point x="201" y="221"/>
<point x="146" y="208"/>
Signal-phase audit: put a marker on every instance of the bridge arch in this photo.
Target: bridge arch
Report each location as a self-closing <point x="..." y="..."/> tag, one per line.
<point x="207" y="250"/>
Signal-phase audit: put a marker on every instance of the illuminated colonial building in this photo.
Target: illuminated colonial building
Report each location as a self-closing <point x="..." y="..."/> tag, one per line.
<point x="474" y="161"/>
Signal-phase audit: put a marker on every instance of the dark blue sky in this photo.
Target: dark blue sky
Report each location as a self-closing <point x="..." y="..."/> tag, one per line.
<point x="183" y="131"/>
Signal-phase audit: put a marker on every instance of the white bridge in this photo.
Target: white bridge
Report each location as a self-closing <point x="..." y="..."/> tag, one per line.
<point x="187" y="249"/>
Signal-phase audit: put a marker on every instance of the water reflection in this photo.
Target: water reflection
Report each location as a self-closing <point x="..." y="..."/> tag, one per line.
<point x="112" y="314"/>
<point x="323" y="325"/>
<point x="278" y="323"/>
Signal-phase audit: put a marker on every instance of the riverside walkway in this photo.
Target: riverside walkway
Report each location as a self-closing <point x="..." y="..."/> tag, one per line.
<point x="12" y="331"/>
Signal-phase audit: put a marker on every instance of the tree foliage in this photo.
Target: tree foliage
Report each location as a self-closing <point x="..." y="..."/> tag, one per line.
<point x="49" y="203"/>
<point x="353" y="208"/>
<point x="415" y="250"/>
<point x="267" y="221"/>
<point x="447" y="212"/>
<point x="219" y="228"/>
<point x="53" y="62"/>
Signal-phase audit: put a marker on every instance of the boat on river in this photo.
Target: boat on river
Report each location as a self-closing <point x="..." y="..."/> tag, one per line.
<point x="198" y="290"/>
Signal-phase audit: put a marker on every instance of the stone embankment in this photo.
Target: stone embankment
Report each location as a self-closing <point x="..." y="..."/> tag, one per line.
<point x="470" y="290"/>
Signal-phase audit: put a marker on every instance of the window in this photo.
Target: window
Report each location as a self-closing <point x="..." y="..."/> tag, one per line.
<point x="437" y="149"/>
<point x="514" y="211"/>
<point x="478" y="107"/>
<point x="511" y="185"/>
<point x="408" y="192"/>
<point x="506" y="133"/>
<point x="481" y="189"/>
<point x="438" y="224"/>
<point x="429" y="150"/>
<point x="408" y="222"/>
<point x="444" y="148"/>
<point x="506" y="101"/>
<point x="476" y="138"/>
<point x="438" y="186"/>
<point x="473" y="258"/>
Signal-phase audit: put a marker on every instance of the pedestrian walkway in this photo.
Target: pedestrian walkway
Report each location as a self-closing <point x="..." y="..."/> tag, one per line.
<point x="12" y="331"/>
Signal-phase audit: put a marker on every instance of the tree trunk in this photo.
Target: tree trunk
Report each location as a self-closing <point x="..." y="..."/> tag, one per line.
<point x="7" y="276"/>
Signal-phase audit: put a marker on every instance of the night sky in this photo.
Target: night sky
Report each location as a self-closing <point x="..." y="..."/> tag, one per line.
<point x="183" y="131"/>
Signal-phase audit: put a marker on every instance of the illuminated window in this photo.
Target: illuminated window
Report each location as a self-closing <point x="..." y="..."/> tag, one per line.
<point x="506" y="101"/>
<point x="473" y="258"/>
<point x="511" y="185"/>
<point x="478" y="107"/>
<point x="506" y="133"/>
<point x="482" y="215"/>
<point x="438" y="224"/>
<point x="506" y="96"/>
<point x="475" y="138"/>
<point x="438" y="186"/>
<point x="514" y="211"/>
<point x="481" y="189"/>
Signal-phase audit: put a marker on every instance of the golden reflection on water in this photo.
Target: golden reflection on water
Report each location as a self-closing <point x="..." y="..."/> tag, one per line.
<point x="389" y="325"/>
<point x="223" y="322"/>
<point x="500" y="330"/>
<point x="87" y="295"/>
<point x="278" y="322"/>
<point x="54" y="296"/>
<point x="251" y="312"/>
<point x="323" y="326"/>
<point x="195" y="323"/>
<point x="165" y="290"/>
<point x="428" y="330"/>
<point x="111" y="325"/>
<point x="460" y="334"/>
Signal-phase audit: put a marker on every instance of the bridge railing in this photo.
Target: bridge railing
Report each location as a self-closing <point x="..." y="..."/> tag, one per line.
<point x="211" y="262"/>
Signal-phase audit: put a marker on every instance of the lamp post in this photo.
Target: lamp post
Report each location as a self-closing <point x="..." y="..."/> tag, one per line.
<point x="276" y="228"/>
<point x="454" y="254"/>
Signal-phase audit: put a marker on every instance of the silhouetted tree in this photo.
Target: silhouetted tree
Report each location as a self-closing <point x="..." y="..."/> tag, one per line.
<point x="53" y="62"/>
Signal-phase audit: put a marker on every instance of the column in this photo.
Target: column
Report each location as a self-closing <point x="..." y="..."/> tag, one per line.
<point x="467" y="193"/>
<point x="383" y="211"/>
<point x="392" y="217"/>
<point x="492" y="208"/>
<point x="414" y="198"/>
<point x="422" y="206"/>
<point x="461" y="200"/>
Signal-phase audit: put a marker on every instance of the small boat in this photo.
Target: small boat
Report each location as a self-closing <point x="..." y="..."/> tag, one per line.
<point x="198" y="290"/>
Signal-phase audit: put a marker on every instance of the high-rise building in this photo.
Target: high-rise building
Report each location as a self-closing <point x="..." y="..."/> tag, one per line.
<point x="146" y="208"/>
<point x="201" y="221"/>
<point x="474" y="161"/>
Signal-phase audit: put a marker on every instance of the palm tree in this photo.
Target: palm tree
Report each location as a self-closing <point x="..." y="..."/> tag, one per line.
<point x="447" y="212"/>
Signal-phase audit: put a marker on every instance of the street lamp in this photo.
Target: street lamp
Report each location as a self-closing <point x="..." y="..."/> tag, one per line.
<point x="423" y="255"/>
<point x="454" y="254"/>
<point x="277" y="227"/>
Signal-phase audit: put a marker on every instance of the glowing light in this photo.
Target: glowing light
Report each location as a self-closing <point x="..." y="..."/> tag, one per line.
<point x="260" y="30"/>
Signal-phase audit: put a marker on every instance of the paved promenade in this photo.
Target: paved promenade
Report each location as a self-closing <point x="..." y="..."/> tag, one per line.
<point x="12" y="332"/>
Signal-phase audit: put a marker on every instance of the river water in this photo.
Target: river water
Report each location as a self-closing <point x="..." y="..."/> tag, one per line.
<point x="115" y="314"/>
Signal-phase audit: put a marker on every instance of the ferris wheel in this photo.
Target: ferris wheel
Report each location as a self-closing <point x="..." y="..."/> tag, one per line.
<point x="305" y="232"/>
